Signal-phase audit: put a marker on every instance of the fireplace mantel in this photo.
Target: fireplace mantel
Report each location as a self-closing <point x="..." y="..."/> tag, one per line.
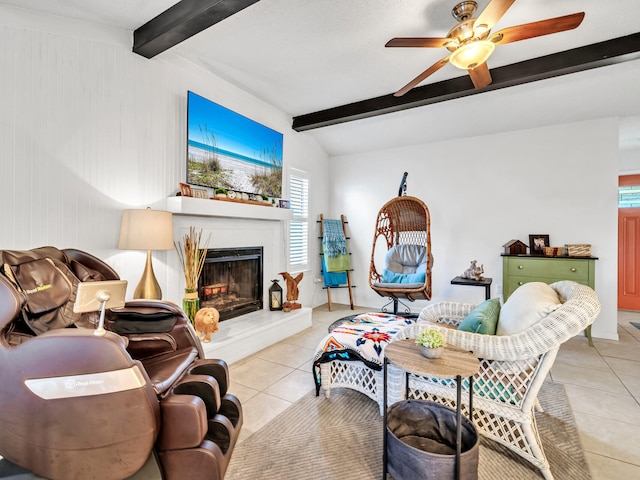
<point x="218" y="208"/>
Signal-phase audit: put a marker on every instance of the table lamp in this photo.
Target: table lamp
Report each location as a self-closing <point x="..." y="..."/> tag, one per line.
<point x="146" y="230"/>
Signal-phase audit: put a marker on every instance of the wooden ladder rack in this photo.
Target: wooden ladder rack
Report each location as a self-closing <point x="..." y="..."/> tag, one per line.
<point x="348" y="284"/>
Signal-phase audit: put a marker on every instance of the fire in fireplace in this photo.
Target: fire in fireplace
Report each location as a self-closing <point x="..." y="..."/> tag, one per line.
<point x="231" y="281"/>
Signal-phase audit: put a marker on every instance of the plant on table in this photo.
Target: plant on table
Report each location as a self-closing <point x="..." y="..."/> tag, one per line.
<point x="431" y="342"/>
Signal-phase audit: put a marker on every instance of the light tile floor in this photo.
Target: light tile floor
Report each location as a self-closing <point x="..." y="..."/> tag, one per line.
<point x="602" y="384"/>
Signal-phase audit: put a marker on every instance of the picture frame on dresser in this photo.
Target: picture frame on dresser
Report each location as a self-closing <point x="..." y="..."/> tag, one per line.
<point x="537" y="242"/>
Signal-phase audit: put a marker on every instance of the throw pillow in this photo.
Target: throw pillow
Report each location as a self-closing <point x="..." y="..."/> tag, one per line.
<point x="483" y="318"/>
<point x="529" y="304"/>
<point x="391" y="277"/>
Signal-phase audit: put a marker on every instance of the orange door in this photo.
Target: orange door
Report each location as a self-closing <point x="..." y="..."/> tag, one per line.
<point x="629" y="252"/>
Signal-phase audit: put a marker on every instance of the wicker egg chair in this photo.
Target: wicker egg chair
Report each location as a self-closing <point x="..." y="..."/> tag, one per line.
<point x="404" y="223"/>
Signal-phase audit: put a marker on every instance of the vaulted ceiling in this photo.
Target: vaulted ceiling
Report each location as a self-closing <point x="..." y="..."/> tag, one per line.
<point x="310" y="56"/>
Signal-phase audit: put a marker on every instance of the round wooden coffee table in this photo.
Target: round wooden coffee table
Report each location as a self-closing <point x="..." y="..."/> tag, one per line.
<point x="454" y="363"/>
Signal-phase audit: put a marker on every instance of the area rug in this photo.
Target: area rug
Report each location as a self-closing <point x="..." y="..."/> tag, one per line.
<point x="341" y="437"/>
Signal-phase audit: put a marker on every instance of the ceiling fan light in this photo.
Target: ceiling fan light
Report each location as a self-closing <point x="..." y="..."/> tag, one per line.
<point x="480" y="29"/>
<point x="472" y="54"/>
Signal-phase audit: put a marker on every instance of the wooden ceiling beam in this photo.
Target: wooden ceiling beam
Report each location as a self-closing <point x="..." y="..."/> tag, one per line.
<point x="183" y="20"/>
<point x="617" y="50"/>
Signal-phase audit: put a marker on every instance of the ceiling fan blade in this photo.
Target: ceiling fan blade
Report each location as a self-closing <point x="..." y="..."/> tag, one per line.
<point x="537" y="29"/>
<point x="480" y="76"/>
<point x="417" y="42"/>
<point x="429" y="71"/>
<point x="493" y="12"/>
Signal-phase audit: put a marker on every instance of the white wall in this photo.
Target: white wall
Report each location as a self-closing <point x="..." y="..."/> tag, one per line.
<point x="485" y="191"/>
<point x="87" y="128"/>
<point x="630" y="161"/>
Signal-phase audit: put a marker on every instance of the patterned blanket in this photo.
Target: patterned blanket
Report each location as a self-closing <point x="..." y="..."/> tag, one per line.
<point x="362" y="337"/>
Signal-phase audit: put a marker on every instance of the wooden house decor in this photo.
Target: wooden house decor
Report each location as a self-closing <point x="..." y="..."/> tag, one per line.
<point x="515" y="247"/>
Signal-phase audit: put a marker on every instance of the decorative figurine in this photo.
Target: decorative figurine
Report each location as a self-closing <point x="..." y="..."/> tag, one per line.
<point x="206" y="323"/>
<point x="292" y="290"/>
<point x="474" y="272"/>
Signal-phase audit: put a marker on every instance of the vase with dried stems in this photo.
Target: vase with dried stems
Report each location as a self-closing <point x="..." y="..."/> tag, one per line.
<point x="192" y="254"/>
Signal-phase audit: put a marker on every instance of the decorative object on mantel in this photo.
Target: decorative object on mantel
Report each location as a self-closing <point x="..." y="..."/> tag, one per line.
<point x="275" y="295"/>
<point x="206" y="323"/>
<point x="515" y="247"/>
<point x="474" y="272"/>
<point x="292" y="290"/>
<point x="537" y="242"/>
<point x="185" y="190"/>
<point x="229" y="198"/>
<point x="192" y="254"/>
<point x="431" y="343"/>
<point x="199" y="193"/>
<point x="148" y="230"/>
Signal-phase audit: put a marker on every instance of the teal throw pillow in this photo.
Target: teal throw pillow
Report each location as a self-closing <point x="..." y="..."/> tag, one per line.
<point x="391" y="277"/>
<point x="483" y="318"/>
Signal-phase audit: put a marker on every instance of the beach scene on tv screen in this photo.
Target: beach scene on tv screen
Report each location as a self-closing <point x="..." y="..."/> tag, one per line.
<point x="226" y="150"/>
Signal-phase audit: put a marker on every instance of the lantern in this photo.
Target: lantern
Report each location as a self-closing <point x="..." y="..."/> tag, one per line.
<point x="275" y="296"/>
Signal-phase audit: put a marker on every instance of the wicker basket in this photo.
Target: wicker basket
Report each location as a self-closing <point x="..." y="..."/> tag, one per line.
<point x="553" y="251"/>
<point x="578" y="250"/>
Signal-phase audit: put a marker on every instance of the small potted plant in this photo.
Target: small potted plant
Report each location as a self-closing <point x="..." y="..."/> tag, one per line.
<point x="431" y="343"/>
<point x="221" y="192"/>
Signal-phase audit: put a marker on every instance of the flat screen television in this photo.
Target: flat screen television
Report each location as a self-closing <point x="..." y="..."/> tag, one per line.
<point x="226" y="150"/>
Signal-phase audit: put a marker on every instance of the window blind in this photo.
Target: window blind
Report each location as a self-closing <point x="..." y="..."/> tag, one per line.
<point x="299" y="224"/>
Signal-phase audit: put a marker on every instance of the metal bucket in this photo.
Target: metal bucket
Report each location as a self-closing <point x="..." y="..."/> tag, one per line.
<point x="421" y="442"/>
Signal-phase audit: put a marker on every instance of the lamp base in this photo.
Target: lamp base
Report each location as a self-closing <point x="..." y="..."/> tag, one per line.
<point x="148" y="287"/>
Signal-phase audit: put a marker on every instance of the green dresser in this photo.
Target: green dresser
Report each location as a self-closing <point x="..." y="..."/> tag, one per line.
<point x="520" y="269"/>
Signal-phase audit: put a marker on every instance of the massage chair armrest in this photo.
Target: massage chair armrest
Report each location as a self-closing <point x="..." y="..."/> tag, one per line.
<point x="68" y="351"/>
<point x="153" y="327"/>
<point x="73" y="362"/>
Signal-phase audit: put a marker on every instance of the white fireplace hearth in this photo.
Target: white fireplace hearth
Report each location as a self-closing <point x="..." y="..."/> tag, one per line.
<point x="242" y="336"/>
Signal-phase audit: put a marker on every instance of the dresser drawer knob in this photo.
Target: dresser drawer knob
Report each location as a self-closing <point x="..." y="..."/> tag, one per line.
<point x="573" y="269"/>
<point x="520" y="267"/>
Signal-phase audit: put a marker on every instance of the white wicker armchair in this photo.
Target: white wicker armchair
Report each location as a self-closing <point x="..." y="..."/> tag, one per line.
<point x="512" y="367"/>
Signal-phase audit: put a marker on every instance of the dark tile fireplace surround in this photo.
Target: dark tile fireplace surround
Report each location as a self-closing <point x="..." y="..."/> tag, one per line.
<point x="231" y="281"/>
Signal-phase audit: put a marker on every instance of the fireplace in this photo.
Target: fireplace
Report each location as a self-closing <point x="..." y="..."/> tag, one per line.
<point x="231" y="281"/>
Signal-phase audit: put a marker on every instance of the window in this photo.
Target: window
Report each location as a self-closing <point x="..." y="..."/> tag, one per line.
<point x="299" y="225"/>
<point x="629" y="196"/>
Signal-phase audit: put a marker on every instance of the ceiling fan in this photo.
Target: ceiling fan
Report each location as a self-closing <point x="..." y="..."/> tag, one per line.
<point x="471" y="41"/>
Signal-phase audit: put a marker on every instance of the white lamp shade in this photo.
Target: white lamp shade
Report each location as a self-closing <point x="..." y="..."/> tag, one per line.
<point x="146" y="230"/>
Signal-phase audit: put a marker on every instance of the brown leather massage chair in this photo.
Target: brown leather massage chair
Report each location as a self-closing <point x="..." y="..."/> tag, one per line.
<point x="139" y="402"/>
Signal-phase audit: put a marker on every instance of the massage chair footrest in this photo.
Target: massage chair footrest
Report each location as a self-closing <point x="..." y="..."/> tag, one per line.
<point x="215" y="368"/>
<point x="204" y="462"/>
